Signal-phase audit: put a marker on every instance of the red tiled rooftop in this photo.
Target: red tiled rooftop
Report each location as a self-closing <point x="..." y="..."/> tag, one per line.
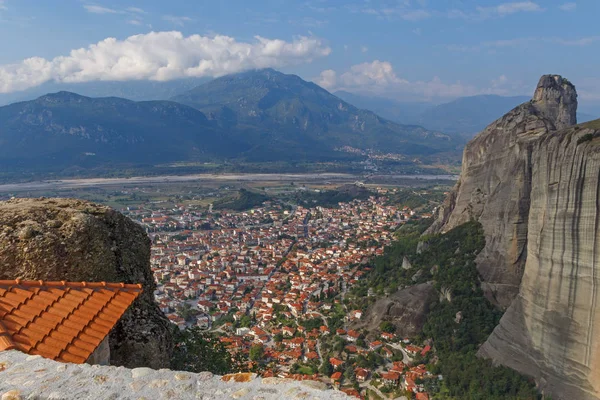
<point x="63" y="321"/>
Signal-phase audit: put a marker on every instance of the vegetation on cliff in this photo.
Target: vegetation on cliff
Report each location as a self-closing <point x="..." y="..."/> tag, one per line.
<point x="197" y="350"/>
<point x="460" y="319"/>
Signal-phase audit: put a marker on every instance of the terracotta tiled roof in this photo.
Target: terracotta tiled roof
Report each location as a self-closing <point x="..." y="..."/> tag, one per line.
<point x="63" y="321"/>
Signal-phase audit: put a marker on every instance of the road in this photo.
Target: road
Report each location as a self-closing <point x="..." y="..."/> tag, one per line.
<point x="405" y="358"/>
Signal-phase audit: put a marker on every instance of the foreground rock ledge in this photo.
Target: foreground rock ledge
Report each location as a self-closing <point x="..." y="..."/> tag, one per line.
<point x="34" y="377"/>
<point x="74" y="240"/>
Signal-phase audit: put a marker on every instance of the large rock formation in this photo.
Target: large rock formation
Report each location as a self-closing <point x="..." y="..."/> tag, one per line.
<point x="73" y="240"/>
<point x="552" y="328"/>
<point x="533" y="181"/>
<point x="495" y="184"/>
<point x="406" y="309"/>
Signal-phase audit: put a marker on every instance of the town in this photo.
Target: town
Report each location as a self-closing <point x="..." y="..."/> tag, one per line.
<point x="272" y="281"/>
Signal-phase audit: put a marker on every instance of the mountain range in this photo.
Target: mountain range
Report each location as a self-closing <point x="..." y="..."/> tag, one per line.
<point x="284" y="115"/>
<point x="261" y="115"/>
<point x="463" y="117"/>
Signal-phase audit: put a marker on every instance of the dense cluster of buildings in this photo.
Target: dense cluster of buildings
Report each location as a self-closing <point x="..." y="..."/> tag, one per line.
<point x="272" y="277"/>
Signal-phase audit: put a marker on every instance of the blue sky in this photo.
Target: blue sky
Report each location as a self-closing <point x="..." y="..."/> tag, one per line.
<point x="403" y="49"/>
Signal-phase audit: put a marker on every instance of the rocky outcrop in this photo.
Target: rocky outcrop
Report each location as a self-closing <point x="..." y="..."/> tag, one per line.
<point x="495" y="184"/>
<point x="552" y="328"/>
<point x="73" y="240"/>
<point x="407" y="309"/>
<point x="533" y="181"/>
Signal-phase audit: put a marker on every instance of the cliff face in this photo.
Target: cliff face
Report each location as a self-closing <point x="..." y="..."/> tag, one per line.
<point x="72" y="240"/>
<point x="533" y="180"/>
<point x="552" y="328"/>
<point x="495" y="184"/>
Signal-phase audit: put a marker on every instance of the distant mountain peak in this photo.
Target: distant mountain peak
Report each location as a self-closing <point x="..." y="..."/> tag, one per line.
<point x="62" y="96"/>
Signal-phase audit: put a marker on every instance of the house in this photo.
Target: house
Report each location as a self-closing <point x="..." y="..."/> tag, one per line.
<point x="336" y="378"/>
<point x="387" y="353"/>
<point x="422" y="396"/>
<point x="412" y="350"/>
<point x="388" y="336"/>
<point x="376" y="345"/>
<point x="287" y="331"/>
<point x="337" y="364"/>
<point x="425" y="350"/>
<point x="398" y="366"/>
<point x="409" y="384"/>
<point x="361" y="374"/>
<point x="76" y="316"/>
<point x="390" y="378"/>
<point x="353" y="335"/>
<point x="310" y="356"/>
<point x="242" y="331"/>
<point x="203" y="321"/>
<point x="351" y="349"/>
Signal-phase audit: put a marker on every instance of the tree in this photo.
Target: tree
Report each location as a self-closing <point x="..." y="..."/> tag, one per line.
<point x="387" y="327"/>
<point x="257" y="352"/>
<point x="197" y="351"/>
<point x="186" y="312"/>
<point x="245" y="321"/>
<point x="348" y="372"/>
<point x="326" y="367"/>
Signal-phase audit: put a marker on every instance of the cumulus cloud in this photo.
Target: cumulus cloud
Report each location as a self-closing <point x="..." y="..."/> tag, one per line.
<point x="379" y="78"/>
<point x="160" y="56"/>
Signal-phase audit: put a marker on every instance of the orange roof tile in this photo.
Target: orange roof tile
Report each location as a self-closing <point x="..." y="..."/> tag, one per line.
<point x="63" y="321"/>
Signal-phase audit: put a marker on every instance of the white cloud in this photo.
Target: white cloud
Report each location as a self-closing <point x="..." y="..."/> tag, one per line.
<point x="379" y="78"/>
<point x="99" y="9"/>
<point x="135" y="10"/>
<point x="511" y="8"/>
<point x="494" y="44"/>
<point x="179" y="21"/>
<point x="397" y="10"/>
<point x="568" y="6"/>
<point x="415" y="15"/>
<point x="160" y="56"/>
<point x="364" y="49"/>
<point x="3" y="5"/>
<point x="327" y="79"/>
<point x="136" y="22"/>
<point x="522" y="42"/>
<point x="584" y="41"/>
<point x="373" y="74"/>
<point x="501" y="10"/>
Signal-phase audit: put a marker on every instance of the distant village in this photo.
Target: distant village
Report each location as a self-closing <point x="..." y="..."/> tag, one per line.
<point x="271" y="283"/>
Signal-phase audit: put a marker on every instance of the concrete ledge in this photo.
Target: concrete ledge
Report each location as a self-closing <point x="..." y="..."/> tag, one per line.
<point x="34" y="377"/>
